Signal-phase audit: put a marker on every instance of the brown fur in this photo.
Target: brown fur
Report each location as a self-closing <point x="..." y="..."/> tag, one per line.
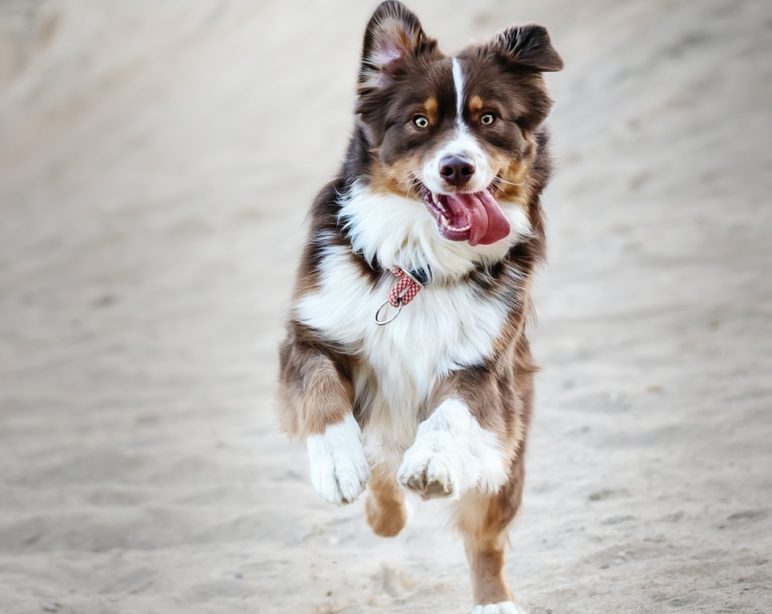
<point x="385" y="507"/>
<point x="315" y="388"/>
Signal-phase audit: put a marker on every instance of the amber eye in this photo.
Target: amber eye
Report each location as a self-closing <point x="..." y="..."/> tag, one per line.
<point x="420" y="121"/>
<point x="486" y="119"/>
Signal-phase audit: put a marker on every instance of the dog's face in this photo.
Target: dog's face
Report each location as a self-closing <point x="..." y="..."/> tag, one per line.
<point x="454" y="132"/>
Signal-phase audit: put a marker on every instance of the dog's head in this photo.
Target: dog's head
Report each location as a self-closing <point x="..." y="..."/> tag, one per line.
<point x="455" y="132"/>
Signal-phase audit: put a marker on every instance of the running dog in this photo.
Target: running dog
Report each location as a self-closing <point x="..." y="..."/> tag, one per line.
<point x="406" y="364"/>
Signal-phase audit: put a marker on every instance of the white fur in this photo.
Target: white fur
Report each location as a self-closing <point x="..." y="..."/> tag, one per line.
<point x="339" y="469"/>
<point x="445" y="328"/>
<point x="458" y="84"/>
<point x="454" y="451"/>
<point x="503" y="607"/>
<point x="461" y="143"/>
<point x="399" y="231"/>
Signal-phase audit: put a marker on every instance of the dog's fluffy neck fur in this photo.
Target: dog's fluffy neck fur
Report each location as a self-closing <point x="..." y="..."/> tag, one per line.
<point x="394" y="230"/>
<point x="386" y="229"/>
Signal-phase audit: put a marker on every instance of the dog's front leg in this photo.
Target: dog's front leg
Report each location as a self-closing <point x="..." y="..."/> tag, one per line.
<point x="453" y="453"/>
<point x="471" y="448"/>
<point x="317" y="399"/>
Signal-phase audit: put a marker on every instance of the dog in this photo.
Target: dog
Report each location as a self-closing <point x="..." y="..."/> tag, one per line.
<point x="406" y="365"/>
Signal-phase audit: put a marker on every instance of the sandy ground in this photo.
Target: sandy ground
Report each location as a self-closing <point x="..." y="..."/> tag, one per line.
<point x="156" y="162"/>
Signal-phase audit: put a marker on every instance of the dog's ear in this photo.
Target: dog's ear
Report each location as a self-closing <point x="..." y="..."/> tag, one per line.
<point x="393" y="35"/>
<point x="529" y="46"/>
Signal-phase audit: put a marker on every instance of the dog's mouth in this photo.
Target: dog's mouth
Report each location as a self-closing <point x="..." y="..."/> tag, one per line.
<point x="473" y="217"/>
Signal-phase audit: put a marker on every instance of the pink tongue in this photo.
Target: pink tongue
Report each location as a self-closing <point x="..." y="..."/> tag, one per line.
<point x="487" y="223"/>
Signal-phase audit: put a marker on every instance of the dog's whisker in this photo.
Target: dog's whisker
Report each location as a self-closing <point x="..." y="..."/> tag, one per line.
<point x="500" y="180"/>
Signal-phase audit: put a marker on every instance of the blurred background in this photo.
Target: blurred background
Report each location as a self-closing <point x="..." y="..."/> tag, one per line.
<point x="157" y="159"/>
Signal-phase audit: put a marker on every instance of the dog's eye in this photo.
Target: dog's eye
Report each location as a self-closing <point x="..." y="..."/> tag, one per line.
<point x="420" y="121"/>
<point x="486" y="119"/>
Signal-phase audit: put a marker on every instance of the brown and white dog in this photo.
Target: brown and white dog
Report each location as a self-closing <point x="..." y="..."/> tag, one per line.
<point x="438" y="196"/>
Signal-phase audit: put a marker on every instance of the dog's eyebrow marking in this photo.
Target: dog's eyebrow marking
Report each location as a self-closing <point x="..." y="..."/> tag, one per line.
<point x="431" y="106"/>
<point x="458" y="81"/>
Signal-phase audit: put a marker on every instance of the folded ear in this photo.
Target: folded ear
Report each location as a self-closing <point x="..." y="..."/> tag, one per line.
<point x="392" y="36"/>
<point x="529" y="46"/>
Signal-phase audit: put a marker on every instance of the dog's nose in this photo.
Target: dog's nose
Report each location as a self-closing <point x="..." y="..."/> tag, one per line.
<point x="456" y="170"/>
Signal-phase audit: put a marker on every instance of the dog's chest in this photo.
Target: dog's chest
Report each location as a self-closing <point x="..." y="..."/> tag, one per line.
<point x="443" y="329"/>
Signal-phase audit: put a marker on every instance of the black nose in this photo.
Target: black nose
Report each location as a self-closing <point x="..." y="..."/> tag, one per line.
<point x="456" y="171"/>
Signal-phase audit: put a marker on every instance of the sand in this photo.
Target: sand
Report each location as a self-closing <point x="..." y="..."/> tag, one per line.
<point x="156" y="162"/>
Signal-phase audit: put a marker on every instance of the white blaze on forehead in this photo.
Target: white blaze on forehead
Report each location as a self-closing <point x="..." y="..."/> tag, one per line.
<point x="458" y="82"/>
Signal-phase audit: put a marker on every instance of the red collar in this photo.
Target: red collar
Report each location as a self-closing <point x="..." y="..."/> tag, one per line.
<point x="404" y="290"/>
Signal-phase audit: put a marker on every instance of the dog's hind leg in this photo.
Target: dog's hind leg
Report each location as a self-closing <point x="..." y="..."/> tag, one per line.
<point x="483" y="521"/>
<point x="385" y="507"/>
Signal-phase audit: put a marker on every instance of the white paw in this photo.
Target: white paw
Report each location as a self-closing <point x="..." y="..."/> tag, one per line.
<point x="503" y="607"/>
<point x="428" y="472"/>
<point x="451" y="454"/>
<point x="339" y="469"/>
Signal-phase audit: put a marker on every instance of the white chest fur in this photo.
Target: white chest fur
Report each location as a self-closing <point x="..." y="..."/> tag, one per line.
<point x="445" y="328"/>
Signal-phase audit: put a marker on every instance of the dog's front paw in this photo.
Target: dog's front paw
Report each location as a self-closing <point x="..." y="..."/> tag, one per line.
<point x="427" y="472"/>
<point x="339" y="469"/>
<point x="503" y="607"/>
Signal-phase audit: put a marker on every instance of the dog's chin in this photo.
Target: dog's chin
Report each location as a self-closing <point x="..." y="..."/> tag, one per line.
<point x="474" y="217"/>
